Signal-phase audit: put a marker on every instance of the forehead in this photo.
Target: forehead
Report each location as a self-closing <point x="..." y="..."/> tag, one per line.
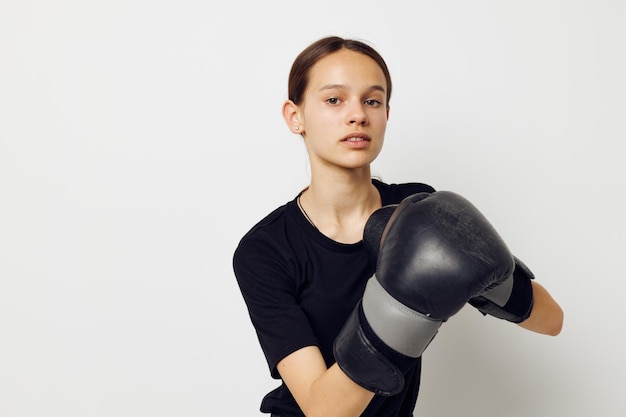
<point x="347" y="68"/>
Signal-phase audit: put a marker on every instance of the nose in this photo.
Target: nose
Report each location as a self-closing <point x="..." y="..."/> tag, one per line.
<point x="357" y="115"/>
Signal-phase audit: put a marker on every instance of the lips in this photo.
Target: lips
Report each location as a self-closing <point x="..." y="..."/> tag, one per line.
<point x="359" y="137"/>
<point x="356" y="141"/>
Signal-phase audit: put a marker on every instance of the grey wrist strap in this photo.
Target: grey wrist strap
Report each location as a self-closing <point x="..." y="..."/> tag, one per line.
<point x="399" y="327"/>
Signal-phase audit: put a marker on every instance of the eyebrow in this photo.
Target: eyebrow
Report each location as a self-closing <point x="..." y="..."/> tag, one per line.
<point x="343" y="87"/>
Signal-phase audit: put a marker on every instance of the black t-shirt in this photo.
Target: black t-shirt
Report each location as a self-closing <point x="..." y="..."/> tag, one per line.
<point x="300" y="287"/>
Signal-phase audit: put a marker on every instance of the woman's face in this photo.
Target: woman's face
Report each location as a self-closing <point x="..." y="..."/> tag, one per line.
<point x="344" y="113"/>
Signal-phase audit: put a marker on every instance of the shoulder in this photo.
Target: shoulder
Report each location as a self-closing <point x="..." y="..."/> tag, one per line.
<point x="267" y="231"/>
<point x="394" y="193"/>
<point x="272" y="246"/>
<point x="268" y="224"/>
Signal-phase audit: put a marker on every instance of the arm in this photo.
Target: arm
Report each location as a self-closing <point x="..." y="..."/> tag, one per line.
<point x="546" y="316"/>
<point x="320" y="391"/>
<point x="279" y="321"/>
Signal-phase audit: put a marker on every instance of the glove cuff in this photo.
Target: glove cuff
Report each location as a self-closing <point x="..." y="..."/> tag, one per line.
<point x="361" y="361"/>
<point x="519" y="302"/>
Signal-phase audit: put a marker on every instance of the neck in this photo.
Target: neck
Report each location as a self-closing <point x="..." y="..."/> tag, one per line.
<point x="339" y="186"/>
<point x="339" y="205"/>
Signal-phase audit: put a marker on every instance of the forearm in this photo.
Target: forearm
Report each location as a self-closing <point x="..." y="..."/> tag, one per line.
<point x="546" y="316"/>
<point x="339" y="395"/>
<point x="320" y="391"/>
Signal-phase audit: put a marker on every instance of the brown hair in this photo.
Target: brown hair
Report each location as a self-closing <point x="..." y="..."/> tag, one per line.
<point x="299" y="74"/>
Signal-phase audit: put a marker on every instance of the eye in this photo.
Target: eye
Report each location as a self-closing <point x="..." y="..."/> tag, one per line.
<point x="332" y="100"/>
<point x="373" y="103"/>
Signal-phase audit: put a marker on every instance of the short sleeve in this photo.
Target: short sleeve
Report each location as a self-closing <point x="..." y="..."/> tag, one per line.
<point x="267" y="275"/>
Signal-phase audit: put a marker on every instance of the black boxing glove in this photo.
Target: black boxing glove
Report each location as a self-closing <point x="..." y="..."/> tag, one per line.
<point x="512" y="300"/>
<point x="373" y="232"/>
<point x="437" y="251"/>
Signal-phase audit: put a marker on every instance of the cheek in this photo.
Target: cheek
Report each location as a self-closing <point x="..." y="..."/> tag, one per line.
<point x="321" y="121"/>
<point x="380" y="120"/>
<point x="379" y="144"/>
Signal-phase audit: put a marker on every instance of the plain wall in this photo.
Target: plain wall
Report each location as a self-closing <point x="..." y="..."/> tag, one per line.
<point x="139" y="140"/>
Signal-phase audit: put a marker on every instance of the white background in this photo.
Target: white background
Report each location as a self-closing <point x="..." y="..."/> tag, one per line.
<point x="139" y="140"/>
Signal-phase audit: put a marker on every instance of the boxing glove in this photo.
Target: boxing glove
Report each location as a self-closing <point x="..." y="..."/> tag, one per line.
<point x="512" y="300"/>
<point x="373" y="231"/>
<point x="437" y="251"/>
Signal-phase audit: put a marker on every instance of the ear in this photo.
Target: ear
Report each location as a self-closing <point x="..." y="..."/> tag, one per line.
<point x="291" y="114"/>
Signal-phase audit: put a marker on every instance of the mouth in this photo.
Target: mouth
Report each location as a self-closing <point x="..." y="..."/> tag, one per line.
<point x="359" y="137"/>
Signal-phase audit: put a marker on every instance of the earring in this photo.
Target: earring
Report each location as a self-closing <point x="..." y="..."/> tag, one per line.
<point x="297" y="127"/>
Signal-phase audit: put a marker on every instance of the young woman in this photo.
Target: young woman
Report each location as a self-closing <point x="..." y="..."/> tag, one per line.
<point x="304" y="267"/>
